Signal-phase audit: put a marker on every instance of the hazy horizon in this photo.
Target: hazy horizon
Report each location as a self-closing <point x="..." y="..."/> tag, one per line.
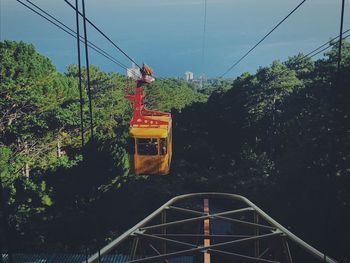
<point x="167" y="35"/>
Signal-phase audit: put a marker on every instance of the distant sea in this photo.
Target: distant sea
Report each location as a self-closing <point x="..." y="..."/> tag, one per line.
<point x="168" y="34"/>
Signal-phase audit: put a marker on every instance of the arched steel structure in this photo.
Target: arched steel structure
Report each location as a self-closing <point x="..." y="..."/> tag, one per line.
<point x="251" y="235"/>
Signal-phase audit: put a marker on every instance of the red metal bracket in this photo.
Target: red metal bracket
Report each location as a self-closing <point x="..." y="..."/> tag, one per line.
<point x="141" y="115"/>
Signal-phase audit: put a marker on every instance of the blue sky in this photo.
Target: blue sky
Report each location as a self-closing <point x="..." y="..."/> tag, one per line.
<point x="167" y="34"/>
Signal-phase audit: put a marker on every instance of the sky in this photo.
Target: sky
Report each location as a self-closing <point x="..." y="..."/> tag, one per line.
<point x="168" y="34"/>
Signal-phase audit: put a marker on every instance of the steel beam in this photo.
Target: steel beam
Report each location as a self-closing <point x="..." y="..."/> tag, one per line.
<point x="290" y="236"/>
<point x="256" y="233"/>
<point x="164" y="230"/>
<point x="242" y="257"/>
<point x="158" y="253"/>
<point x="163" y="239"/>
<point x="286" y="251"/>
<point x="200" y="236"/>
<point x="135" y="243"/>
<point x="202" y="249"/>
<point x="180" y="209"/>
<point x="200" y="218"/>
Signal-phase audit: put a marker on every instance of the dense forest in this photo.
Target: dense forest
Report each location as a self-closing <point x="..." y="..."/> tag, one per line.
<point x="279" y="136"/>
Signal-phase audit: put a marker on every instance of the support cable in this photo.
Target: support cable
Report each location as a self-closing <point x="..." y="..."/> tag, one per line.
<point x="326" y="44"/>
<point x="340" y="37"/>
<point x="79" y="76"/>
<point x="324" y="47"/>
<point x="329" y="43"/>
<point x="327" y="47"/>
<point x="204" y="38"/>
<point x="105" y="36"/>
<point x="261" y="40"/>
<point x="71" y="32"/>
<point x="87" y="71"/>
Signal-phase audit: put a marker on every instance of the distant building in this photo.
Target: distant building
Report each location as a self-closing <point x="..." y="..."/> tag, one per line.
<point x="188" y="76"/>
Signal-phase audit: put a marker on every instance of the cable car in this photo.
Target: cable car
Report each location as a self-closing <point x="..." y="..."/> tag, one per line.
<point x="150" y="134"/>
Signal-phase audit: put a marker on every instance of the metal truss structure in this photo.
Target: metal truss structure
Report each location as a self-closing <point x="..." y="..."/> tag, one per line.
<point x="210" y="228"/>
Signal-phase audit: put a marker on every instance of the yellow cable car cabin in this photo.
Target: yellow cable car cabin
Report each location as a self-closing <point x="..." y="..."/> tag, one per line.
<point x="151" y="148"/>
<point x="150" y="145"/>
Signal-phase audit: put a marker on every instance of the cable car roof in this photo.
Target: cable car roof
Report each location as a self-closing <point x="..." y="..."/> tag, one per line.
<point x="148" y="132"/>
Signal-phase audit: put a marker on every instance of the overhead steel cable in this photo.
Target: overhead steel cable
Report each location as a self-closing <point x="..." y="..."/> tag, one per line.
<point x="327" y="43"/>
<point x="323" y="47"/>
<point x="261" y="40"/>
<point x="204" y="35"/>
<point x="341" y="36"/>
<point x="327" y="47"/>
<point x="104" y="35"/>
<point x="203" y="44"/>
<point x="87" y="71"/>
<point x="71" y="32"/>
<point x="79" y="82"/>
<point x="51" y="19"/>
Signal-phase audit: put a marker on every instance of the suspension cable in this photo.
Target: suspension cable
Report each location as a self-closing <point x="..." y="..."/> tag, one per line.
<point x="51" y="19"/>
<point x="340" y="37"/>
<point x="325" y="44"/>
<point x="87" y="71"/>
<point x="329" y="43"/>
<point x="105" y="36"/>
<point x="325" y="48"/>
<point x="68" y="28"/>
<point x="79" y="82"/>
<point x="261" y="40"/>
<point x="204" y="35"/>
<point x="71" y="32"/>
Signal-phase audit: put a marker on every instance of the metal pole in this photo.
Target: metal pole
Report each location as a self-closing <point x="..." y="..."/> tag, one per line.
<point x="256" y="233"/>
<point x="158" y="253"/>
<point x="88" y="72"/>
<point x="206" y="228"/>
<point x="134" y="248"/>
<point x="287" y="250"/>
<point x="164" y="231"/>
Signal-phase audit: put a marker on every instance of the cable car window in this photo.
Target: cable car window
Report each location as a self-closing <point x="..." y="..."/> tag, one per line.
<point x="131" y="145"/>
<point x="163" y="146"/>
<point x="147" y="146"/>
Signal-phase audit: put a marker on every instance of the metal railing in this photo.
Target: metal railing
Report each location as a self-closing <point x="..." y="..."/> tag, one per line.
<point x="263" y="239"/>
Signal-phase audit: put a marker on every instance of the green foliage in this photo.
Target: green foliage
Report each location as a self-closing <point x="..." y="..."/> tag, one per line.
<point x="270" y="87"/>
<point x="41" y="166"/>
<point x="274" y="136"/>
<point x="167" y="94"/>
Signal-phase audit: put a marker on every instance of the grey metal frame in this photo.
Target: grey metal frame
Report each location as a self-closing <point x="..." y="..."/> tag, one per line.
<point x="274" y="229"/>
